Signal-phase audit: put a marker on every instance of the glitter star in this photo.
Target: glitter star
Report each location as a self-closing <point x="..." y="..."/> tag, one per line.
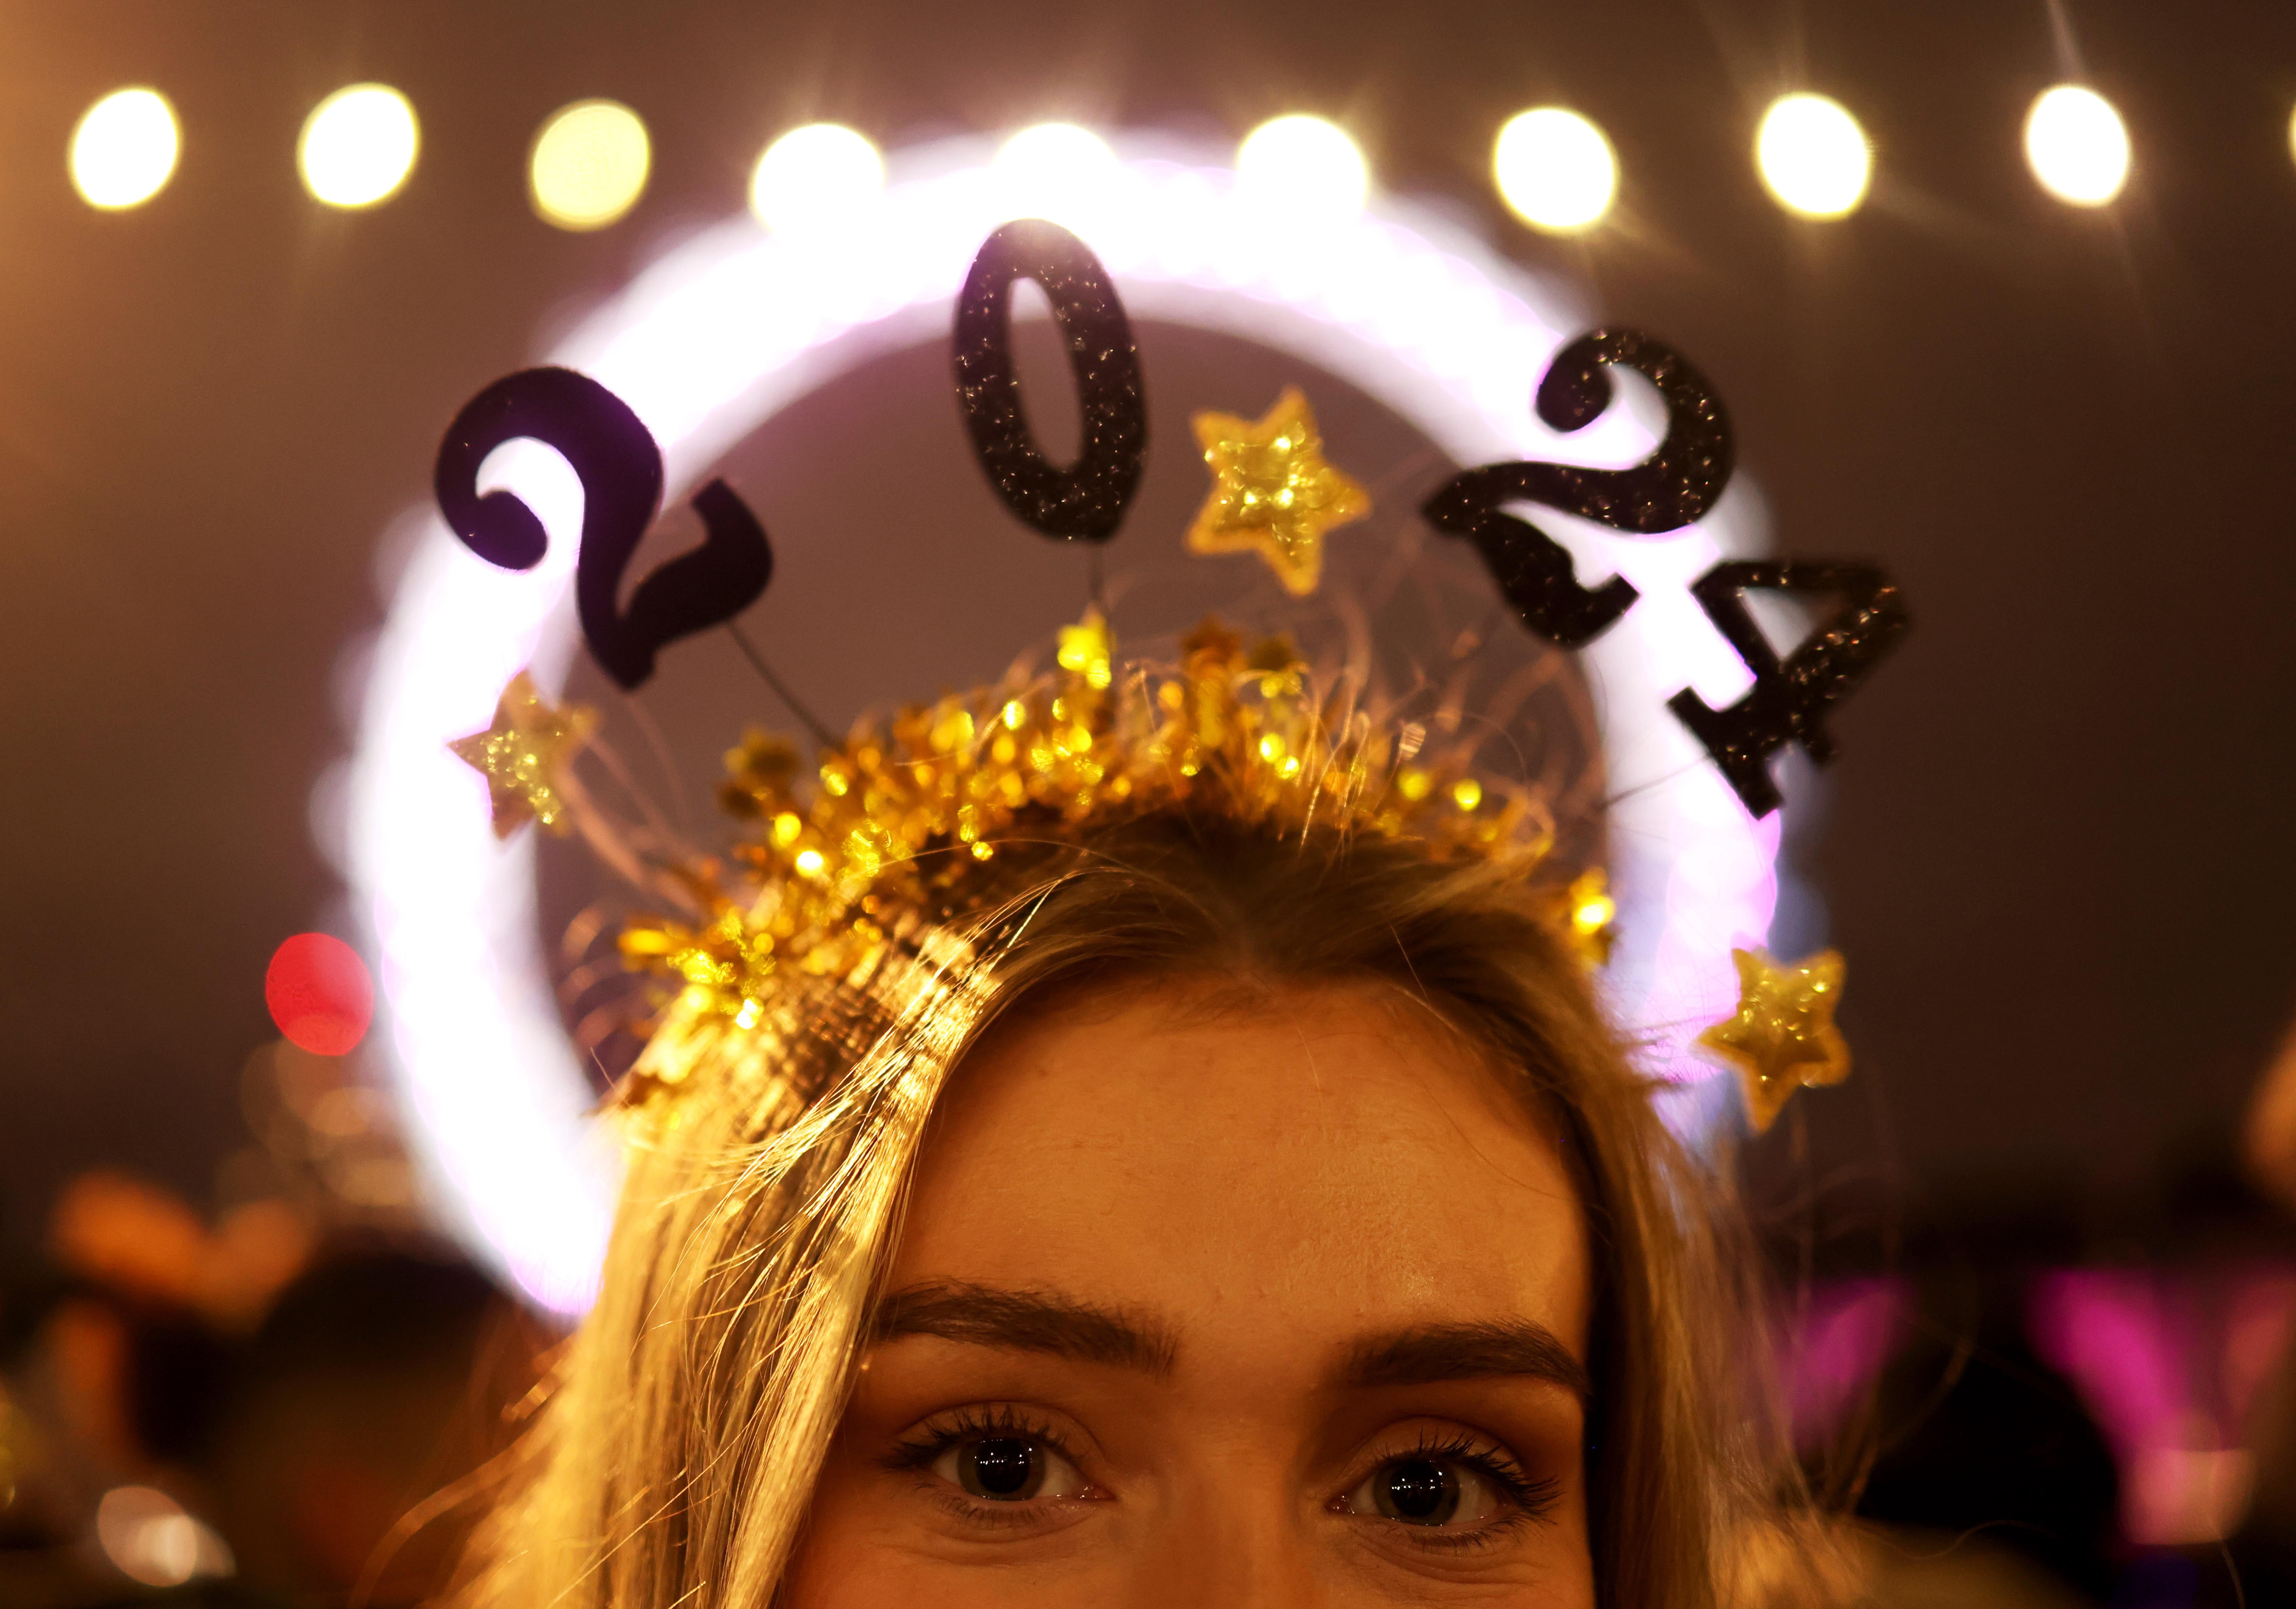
<point x="1783" y="1037"/>
<point x="1273" y="494"/>
<point x="522" y="753"/>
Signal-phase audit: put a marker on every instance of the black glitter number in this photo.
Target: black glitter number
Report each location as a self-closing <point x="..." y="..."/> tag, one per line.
<point x="1669" y="489"/>
<point x="1085" y="501"/>
<point x="621" y="471"/>
<point x="1788" y="702"/>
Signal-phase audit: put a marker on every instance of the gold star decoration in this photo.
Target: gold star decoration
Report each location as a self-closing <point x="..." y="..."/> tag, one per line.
<point x="1273" y="494"/>
<point x="1783" y="1037"/>
<point x="523" y="753"/>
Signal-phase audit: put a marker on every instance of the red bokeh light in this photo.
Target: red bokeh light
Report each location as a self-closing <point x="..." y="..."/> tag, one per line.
<point x="320" y="994"/>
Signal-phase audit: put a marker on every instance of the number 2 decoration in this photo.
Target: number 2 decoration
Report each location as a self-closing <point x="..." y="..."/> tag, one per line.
<point x="621" y="468"/>
<point x="1669" y="489"/>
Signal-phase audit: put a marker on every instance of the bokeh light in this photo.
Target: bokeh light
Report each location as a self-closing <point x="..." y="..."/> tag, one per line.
<point x="590" y="165"/>
<point x="2078" y="145"/>
<point x="149" y="1538"/>
<point x="1556" y="169"/>
<point x="1052" y="169"/>
<point x="320" y="994"/>
<point x="358" y="146"/>
<point x="1813" y="156"/>
<point x="1304" y="165"/>
<point x="815" y="175"/>
<point x="124" y="152"/>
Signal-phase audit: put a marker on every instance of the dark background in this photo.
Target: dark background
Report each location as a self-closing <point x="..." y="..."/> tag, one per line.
<point x="2057" y="851"/>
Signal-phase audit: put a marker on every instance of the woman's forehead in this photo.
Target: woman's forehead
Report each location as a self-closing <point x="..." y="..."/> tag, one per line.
<point x="1306" y="1162"/>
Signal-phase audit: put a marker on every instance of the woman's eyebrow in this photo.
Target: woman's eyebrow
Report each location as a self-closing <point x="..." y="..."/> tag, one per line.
<point x="1426" y="1353"/>
<point x="1024" y="1320"/>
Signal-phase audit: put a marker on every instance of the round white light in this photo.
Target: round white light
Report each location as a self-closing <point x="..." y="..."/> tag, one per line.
<point x="589" y="165"/>
<point x="1556" y="169"/>
<point x="813" y="176"/>
<point x="1053" y="170"/>
<point x="358" y="145"/>
<point x="124" y="150"/>
<point x="1813" y="156"/>
<point x="1303" y="164"/>
<point x="2077" y="145"/>
<point x="1428" y="321"/>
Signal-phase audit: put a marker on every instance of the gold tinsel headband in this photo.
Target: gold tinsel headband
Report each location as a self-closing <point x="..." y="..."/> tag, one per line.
<point x="904" y="818"/>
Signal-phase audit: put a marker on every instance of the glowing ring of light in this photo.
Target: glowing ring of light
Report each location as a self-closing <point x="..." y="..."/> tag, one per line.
<point x="727" y="329"/>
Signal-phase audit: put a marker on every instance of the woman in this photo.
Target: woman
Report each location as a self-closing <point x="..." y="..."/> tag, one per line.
<point x="1146" y="1138"/>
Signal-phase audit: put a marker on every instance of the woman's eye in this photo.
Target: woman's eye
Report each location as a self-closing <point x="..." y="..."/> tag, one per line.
<point x="1427" y="1492"/>
<point x="1008" y="1469"/>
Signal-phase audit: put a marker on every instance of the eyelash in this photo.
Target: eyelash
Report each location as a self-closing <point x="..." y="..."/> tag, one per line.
<point x="1528" y="1500"/>
<point x="920" y="1450"/>
<point x="935" y="1436"/>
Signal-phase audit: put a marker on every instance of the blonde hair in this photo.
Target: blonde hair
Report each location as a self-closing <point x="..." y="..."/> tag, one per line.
<point x="675" y="1464"/>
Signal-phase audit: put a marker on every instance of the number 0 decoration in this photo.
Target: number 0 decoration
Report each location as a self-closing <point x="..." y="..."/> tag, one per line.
<point x="1087" y="500"/>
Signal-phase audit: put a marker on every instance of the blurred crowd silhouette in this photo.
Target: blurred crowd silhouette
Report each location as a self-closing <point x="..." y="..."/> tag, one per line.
<point x="154" y="1449"/>
<point x="292" y="1405"/>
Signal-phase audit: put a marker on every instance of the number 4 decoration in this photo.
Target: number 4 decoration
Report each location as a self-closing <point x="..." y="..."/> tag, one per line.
<point x="1791" y="698"/>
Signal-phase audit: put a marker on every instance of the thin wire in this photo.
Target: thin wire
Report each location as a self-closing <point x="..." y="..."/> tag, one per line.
<point x="2232" y="1569"/>
<point x="1624" y="793"/>
<point x="822" y="734"/>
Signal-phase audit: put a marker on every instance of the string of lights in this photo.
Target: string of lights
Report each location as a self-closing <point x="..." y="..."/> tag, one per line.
<point x="588" y="166"/>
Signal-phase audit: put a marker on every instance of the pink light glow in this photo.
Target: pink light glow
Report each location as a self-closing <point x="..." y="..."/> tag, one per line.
<point x="1836" y="1348"/>
<point x="2171" y="1363"/>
